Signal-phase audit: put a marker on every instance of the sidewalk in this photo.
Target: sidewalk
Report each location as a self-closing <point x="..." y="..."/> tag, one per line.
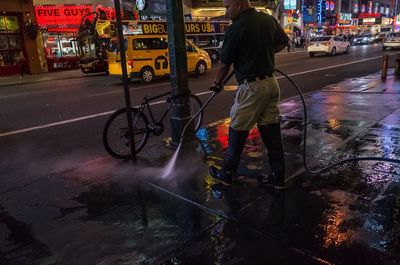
<point x="110" y="212"/>
<point x="16" y="79"/>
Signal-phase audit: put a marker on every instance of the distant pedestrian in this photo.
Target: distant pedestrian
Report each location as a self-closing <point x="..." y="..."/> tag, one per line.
<point x="250" y="45"/>
<point x="22" y="64"/>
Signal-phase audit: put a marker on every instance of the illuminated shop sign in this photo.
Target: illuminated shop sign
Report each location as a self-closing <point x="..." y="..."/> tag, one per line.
<point x="190" y="27"/>
<point x="355" y="8"/>
<point x="107" y="28"/>
<point x="9" y="23"/>
<point x="367" y="15"/>
<point x="370" y="7"/>
<point x="363" y="8"/>
<point x="369" y="20"/>
<point x="290" y="4"/>
<point x="329" y="5"/>
<point x="344" y="16"/>
<point x="60" y="15"/>
<point x="319" y="11"/>
<point x="376" y="8"/>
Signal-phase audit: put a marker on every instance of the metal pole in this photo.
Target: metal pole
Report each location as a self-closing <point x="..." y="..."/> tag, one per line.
<point x="179" y="76"/>
<point x="125" y="77"/>
<point x="385" y="63"/>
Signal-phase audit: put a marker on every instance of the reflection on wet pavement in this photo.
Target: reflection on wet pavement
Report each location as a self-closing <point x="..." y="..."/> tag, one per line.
<point x="105" y="212"/>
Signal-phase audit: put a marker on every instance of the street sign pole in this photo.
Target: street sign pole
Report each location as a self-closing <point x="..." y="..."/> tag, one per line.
<point x="122" y="47"/>
<point x="179" y="76"/>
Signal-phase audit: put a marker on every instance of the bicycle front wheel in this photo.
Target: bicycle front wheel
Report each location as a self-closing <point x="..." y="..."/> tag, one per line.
<point x="195" y="106"/>
<point x="116" y="138"/>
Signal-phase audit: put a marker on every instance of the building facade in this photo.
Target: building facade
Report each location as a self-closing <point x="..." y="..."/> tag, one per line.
<point x="44" y="31"/>
<point x="18" y="37"/>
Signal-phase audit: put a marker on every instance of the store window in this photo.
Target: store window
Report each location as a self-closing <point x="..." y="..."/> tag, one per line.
<point x="61" y="51"/>
<point x="10" y="41"/>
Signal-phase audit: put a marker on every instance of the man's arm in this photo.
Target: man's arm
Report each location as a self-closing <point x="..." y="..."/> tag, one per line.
<point x="223" y="71"/>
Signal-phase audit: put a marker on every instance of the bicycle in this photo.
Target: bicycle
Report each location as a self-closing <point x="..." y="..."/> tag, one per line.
<point x="116" y="138"/>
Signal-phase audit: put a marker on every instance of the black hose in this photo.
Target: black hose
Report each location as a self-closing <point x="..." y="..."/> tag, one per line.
<point x="352" y="159"/>
<point x="227" y="78"/>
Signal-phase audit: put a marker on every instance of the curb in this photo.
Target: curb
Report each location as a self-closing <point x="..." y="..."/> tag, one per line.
<point x="48" y="79"/>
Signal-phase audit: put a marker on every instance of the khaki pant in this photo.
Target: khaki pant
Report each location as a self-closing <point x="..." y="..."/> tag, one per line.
<point x="255" y="103"/>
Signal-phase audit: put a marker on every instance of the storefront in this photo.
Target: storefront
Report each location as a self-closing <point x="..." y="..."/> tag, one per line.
<point x="60" y="50"/>
<point x="369" y="23"/>
<point x="11" y="44"/>
<point x="58" y="25"/>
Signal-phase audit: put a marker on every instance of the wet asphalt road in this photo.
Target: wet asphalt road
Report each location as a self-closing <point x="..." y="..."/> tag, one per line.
<point x="37" y="153"/>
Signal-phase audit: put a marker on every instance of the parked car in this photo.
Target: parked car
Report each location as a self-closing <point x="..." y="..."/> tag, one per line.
<point x="362" y="39"/>
<point x="392" y="40"/>
<point x="328" y="45"/>
<point x="381" y="36"/>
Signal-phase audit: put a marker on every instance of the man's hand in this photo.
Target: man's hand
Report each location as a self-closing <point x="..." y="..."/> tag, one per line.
<point x="216" y="87"/>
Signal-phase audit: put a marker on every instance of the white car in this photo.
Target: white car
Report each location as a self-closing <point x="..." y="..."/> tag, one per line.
<point x="392" y="40"/>
<point x="328" y="45"/>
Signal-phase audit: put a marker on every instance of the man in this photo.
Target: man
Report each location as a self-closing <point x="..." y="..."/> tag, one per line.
<point x="249" y="44"/>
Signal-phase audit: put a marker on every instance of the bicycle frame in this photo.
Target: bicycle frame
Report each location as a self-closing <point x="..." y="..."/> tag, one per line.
<point x="145" y="104"/>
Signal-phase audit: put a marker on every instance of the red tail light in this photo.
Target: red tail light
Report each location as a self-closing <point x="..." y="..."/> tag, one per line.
<point x="130" y="64"/>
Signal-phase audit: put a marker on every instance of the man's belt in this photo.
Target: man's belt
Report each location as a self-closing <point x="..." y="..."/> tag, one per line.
<point x="253" y="79"/>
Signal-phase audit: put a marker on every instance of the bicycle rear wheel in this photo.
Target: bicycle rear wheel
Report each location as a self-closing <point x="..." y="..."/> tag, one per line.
<point x="195" y="106"/>
<point x="116" y="138"/>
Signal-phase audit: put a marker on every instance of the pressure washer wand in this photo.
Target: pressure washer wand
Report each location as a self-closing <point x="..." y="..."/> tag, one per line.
<point x="227" y="78"/>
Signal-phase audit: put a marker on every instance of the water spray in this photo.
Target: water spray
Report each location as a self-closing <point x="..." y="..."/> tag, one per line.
<point x="169" y="167"/>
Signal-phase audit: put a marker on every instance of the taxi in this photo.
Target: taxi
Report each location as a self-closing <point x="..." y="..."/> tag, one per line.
<point x="147" y="57"/>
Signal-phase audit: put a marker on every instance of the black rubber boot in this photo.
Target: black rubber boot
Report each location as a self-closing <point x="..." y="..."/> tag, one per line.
<point x="236" y="142"/>
<point x="271" y="136"/>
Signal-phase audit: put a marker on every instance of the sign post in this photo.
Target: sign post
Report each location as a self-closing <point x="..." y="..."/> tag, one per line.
<point x="179" y="76"/>
<point x="125" y="77"/>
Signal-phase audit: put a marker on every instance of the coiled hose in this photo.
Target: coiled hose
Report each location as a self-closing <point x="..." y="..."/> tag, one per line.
<point x="352" y="159"/>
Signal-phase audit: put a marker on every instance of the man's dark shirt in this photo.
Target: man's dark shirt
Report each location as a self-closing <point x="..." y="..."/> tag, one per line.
<point x="249" y="44"/>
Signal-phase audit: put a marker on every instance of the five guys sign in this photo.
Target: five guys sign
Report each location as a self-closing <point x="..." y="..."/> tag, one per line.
<point x="51" y="16"/>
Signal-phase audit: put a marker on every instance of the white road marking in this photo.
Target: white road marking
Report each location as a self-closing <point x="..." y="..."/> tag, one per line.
<point x="287" y="53"/>
<point x="121" y="91"/>
<point x="35" y="128"/>
<point x="334" y="66"/>
<point x="159" y="102"/>
<point x="34" y="93"/>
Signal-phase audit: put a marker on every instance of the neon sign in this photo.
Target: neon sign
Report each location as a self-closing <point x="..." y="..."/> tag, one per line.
<point x="363" y="8"/>
<point x="56" y="15"/>
<point x="319" y="11"/>
<point x="355" y="8"/>
<point x="370" y="7"/>
<point x="332" y="6"/>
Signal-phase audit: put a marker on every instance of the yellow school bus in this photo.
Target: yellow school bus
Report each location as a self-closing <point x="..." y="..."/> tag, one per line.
<point x="147" y="57"/>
